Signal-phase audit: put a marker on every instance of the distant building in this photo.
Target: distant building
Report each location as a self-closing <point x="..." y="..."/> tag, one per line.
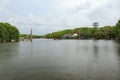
<point x="70" y="36"/>
<point x="75" y="36"/>
<point x="95" y="24"/>
<point x="67" y="36"/>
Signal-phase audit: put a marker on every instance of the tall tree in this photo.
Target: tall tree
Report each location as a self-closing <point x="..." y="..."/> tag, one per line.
<point x="117" y="28"/>
<point x="8" y="32"/>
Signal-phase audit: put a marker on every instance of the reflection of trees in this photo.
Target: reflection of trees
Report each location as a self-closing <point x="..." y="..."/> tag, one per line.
<point x="118" y="49"/>
<point x="8" y="50"/>
<point x="95" y="49"/>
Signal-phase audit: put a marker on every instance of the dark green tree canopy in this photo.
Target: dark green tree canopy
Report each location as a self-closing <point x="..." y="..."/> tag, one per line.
<point x="8" y="32"/>
<point x="117" y="28"/>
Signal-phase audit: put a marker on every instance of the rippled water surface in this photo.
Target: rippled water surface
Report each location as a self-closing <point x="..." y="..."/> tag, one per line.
<point x="60" y="60"/>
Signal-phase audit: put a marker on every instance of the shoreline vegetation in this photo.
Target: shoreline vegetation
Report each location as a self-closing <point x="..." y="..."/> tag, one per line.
<point x="9" y="33"/>
<point x="106" y="32"/>
<point x="27" y="36"/>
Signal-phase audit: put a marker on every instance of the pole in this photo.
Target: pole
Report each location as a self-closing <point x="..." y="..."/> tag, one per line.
<point x="31" y="35"/>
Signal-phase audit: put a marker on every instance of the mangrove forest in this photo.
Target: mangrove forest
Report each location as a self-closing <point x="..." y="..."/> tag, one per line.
<point x="106" y="32"/>
<point x="8" y="32"/>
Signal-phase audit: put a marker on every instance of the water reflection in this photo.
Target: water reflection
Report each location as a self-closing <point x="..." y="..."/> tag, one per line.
<point x="117" y="49"/>
<point x="95" y="49"/>
<point x="8" y="51"/>
<point x="60" y="60"/>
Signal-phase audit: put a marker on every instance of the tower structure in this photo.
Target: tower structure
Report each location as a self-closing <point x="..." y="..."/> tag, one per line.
<point x="31" y="35"/>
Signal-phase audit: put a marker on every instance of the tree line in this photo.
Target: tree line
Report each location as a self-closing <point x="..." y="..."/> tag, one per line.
<point x="106" y="32"/>
<point x="8" y="32"/>
<point x="28" y="36"/>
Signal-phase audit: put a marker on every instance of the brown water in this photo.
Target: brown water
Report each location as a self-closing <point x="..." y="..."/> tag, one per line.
<point x="60" y="60"/>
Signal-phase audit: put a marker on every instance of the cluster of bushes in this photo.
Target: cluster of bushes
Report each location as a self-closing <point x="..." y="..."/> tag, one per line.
<point x="58" y="34"/>
<point x="8" y="32"/>
<point x="106" y="32"/>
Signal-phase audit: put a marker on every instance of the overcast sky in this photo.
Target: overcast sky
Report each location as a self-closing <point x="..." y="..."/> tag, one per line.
<point x="46" y="16"/>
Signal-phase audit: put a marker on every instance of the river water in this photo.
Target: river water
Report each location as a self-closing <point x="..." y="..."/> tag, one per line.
<point x="45" y="59"/>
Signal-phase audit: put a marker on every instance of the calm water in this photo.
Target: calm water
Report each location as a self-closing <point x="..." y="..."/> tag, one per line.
<point x="60" y="60"/>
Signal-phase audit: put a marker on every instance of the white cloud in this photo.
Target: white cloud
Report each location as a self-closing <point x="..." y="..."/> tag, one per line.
<point x="61" y="14"/>
<point x="4" y="2"/>
<point x="107" y="14"/>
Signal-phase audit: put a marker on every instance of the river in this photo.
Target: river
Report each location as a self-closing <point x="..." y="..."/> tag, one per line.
<point x="46" y="59"/>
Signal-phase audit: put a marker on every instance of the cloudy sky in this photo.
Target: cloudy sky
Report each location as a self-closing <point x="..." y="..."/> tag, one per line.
<point x="46" y="16"/>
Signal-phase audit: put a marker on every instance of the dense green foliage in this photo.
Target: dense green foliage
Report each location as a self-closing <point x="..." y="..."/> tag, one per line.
<point x="117" y="29"/>
<point x="106" y="32"/>
<point x="58" y="34"/>
<point x="8" y="32"/>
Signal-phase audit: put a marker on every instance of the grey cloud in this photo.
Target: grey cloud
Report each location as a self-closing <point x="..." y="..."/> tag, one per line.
<point x="62" y="18"/>
<point x="26" y="23"/>
<point x="107" y="14"/>
<point x="83" y="6"/>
